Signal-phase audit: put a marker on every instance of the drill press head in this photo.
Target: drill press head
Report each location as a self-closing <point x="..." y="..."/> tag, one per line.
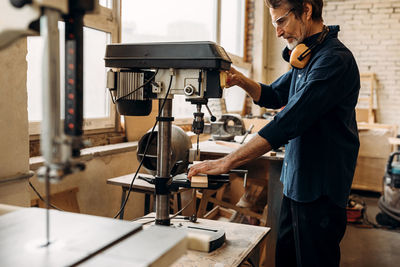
<point x="141" y="72"/>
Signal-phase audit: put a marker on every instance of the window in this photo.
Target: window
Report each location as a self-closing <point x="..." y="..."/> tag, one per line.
<point x="100" y="29"/>
<point x="232" y="26"/>
<point x="220" y="21"/>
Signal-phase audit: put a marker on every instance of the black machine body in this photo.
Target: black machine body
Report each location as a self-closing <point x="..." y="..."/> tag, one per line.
<point x="141" y="72"/>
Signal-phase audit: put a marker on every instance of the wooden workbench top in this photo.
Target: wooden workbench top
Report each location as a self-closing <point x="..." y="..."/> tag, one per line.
<point x="241" y="240"/>
<point x="222" y="148"/>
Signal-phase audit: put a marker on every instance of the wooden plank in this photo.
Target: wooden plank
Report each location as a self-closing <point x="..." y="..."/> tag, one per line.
<point x="199" y="181"/>
<point x="221" y="148"/>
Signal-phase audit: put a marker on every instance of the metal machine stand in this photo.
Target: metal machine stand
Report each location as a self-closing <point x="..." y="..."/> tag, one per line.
<point x="163" y="163"/>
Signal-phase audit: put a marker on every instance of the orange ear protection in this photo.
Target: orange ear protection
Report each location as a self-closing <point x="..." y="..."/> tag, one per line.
<point x="301" y="54"/>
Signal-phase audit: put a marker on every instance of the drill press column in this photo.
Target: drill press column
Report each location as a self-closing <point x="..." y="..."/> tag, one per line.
<point x="163" y="162"/>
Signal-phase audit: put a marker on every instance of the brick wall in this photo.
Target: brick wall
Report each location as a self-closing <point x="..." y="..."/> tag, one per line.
<point x="371" y="30"/>
<point x="250" y="30"/>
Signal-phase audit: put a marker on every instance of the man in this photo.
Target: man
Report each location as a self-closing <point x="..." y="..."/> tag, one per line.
<point x="318" y="127"/>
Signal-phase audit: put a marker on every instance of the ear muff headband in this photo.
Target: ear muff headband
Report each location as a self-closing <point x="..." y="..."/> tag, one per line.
<point x="301" y="55"/>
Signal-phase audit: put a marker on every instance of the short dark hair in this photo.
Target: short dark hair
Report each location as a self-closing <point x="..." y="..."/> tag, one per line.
<point x="298" y="7"/>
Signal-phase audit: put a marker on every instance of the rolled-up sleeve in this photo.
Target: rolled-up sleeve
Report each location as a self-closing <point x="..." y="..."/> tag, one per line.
<point x="320" y="92"/>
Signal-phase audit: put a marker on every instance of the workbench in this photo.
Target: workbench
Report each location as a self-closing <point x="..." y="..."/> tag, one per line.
<point x="267" y="167"/>
<point x="265" y="170"/>
<point x="242" y="242"/>
<point x="141" y="186"/>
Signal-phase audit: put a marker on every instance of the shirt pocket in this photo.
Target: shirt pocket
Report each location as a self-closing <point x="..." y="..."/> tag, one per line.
<point x="301" y="78"/>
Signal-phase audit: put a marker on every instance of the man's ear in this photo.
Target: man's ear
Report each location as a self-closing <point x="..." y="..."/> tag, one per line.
<point x="308" y="10"/>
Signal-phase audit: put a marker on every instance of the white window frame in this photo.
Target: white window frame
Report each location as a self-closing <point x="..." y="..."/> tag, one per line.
<point x="106" y="20"/>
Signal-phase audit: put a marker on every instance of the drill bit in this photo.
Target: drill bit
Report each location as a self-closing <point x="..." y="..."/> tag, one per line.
<point x="198" y="149"/>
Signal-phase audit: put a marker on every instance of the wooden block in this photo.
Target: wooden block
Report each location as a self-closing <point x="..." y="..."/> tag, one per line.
<point x="199" y="181"/>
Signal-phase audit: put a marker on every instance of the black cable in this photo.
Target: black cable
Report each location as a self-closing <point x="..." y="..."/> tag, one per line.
<point x="112" y="97"/>
<point x="187" y="205"/>
<point x="41" y="198"/>
<point x="172" y="217"/>
<point x="134" y="90"/>
<point x="145" y="150"/>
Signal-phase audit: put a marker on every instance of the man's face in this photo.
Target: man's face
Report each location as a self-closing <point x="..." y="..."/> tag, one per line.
<point x="287" y="26"/>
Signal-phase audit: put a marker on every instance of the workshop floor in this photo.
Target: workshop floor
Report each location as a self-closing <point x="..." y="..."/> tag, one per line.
<point x="370" y="247"/>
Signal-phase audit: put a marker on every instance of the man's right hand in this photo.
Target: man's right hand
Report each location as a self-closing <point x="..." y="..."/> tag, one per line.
<point x="234" y="78"/>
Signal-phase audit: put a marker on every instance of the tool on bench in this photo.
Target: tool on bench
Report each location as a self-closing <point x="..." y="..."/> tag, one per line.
<point x="226" y="128"/>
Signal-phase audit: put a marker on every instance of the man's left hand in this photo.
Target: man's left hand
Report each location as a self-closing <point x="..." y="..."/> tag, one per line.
<point x="213" y="167"/>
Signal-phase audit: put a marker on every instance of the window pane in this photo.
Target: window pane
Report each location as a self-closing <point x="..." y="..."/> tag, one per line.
<point x="235" y="96"/>
<point x="34" y="78"/>
<point x="106" y="3"/>
<point x="232" y="26"/>
<point x="96" y="100"/>
<point x="173" y="20"/>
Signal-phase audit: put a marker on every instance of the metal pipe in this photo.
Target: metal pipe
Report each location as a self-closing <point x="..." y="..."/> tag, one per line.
<point x="51" y="132"/>
<point x="163" y="162"/>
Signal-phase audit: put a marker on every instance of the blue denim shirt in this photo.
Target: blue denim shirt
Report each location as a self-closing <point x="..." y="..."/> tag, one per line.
<point x="317" y="123"/>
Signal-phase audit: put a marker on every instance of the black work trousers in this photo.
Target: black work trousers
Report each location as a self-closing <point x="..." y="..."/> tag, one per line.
<point x="310" y="233"/>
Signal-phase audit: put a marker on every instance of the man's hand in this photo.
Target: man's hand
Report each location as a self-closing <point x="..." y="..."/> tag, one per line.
<point x="256" y="147"/>
<point x="234" y="78"/>
<point x="237" y="78"/>
<point x="213" y="167"/>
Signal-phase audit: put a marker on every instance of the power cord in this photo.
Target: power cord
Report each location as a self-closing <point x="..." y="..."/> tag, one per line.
<point x="147" y="146"/>
<point x="174" y="215"/>
<point x="41" y="198"/>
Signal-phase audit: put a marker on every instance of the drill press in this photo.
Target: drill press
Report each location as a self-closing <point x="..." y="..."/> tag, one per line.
<point x="146" y="71"/>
